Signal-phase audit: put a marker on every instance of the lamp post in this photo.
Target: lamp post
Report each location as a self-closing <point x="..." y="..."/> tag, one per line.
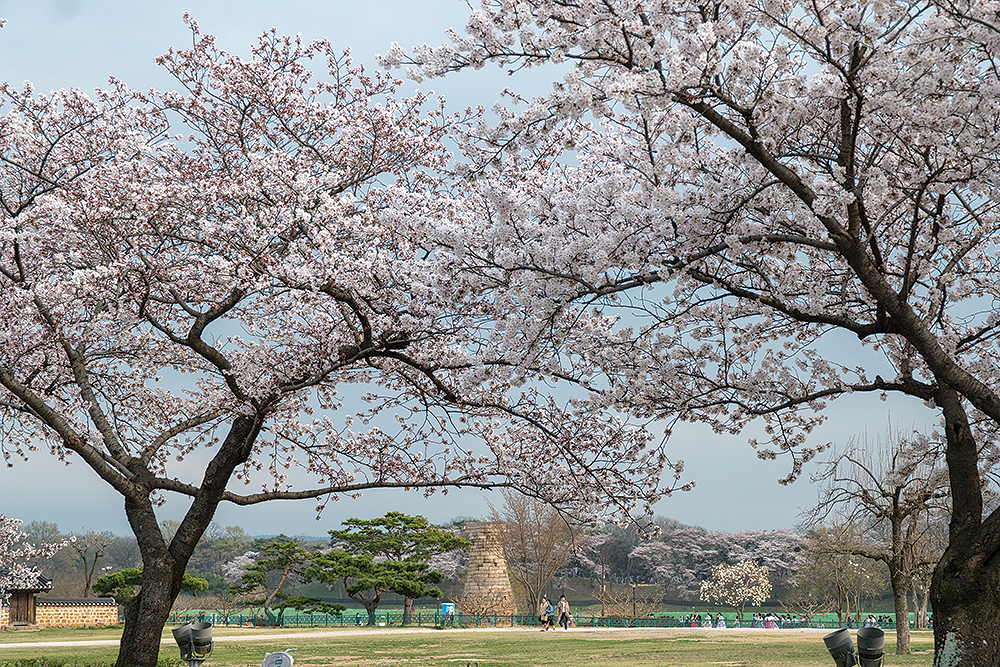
<point x="634" y="585"/>
<point x="603" y="599"/>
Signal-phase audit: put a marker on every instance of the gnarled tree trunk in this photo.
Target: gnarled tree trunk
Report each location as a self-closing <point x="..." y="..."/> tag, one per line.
<point x="146" y="614"/>
<point x="162" y="565"/>
<point x="965" y="595"/>
<point x="407" y="610"/>
<point x="965" y="590"/>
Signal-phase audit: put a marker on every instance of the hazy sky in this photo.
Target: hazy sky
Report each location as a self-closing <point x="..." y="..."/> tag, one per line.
<point x="80" y="43"/>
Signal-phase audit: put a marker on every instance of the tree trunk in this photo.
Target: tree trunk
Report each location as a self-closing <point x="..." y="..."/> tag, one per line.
<point x="89" y="577"/>
<point x="144" y="621"/>
<point x="370" y="604"/>
<point x="407" y="610"/>
<point x="965" y="589"/>
<point x="921" y="611"/>
<point x="162" y="566"/>
<point x="900" y="577"/>
<point x="899" y="587"/>
<point x="147" y="613"/>
<point x="919" y="607"/>
<point x="966" y="602"/>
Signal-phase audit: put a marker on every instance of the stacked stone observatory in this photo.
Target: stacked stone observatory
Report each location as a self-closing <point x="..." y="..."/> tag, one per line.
<point x="487" y="586"/>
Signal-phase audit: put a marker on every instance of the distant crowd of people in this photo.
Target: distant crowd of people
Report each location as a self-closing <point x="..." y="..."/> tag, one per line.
<point x="696" y="621"/>
<point x="757" y="621"/>
<point x="549" y="614"/>
<point x="873" y="621"/>
<point x="775" y="621"/>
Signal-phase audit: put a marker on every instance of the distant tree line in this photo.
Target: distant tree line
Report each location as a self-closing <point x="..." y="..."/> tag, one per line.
<point x="815" y="571"/>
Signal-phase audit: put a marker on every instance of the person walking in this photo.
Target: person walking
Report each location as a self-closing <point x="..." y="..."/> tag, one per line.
<point x="550" y="615"/>
<point x="543" y="617"/>
<point x="563" y="610"/>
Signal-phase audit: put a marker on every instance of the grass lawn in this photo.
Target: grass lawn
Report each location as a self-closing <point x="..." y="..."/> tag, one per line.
<point x="583" y="647"/>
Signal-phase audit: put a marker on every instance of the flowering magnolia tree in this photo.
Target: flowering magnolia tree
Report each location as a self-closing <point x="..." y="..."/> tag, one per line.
<point x="770" y="205"/>
<point x="193" y="281"/>
<point x="14" y="550"/>
<point x="737" y="585"/>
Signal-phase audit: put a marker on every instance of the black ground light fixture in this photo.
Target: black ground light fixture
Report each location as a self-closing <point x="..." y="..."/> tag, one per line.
<point x="841" y="648"/>
<point x="195" y="642"/>
<point x="871" y="645"/>
<point x="871" y="642"/>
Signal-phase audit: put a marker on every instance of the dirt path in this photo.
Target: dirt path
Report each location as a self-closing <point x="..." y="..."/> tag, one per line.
<point x="281" y="637"/>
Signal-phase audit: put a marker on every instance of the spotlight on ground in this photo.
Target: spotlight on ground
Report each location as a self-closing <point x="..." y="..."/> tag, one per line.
<point x="278" y="659"/>
<point x="871" y="642"/>
<point x="194" y="641"/>
<point x="841" y="648"/>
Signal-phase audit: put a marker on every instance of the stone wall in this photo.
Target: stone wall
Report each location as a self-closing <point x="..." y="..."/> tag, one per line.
<point x="487" y="586"/>
<point x="69" y="612"/>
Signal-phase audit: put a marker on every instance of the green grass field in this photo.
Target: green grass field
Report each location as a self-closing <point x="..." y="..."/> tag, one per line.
<point x="647" y="647"/>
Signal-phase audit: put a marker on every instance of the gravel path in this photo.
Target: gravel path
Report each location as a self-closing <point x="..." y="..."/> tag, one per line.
<point x="621" y="633"/>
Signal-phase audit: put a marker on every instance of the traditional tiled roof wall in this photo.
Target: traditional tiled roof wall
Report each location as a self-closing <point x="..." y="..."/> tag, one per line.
<point x="69" y="612"/>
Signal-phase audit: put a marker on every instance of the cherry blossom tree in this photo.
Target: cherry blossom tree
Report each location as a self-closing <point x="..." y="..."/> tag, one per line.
<point x="234" y="570"/>
<point x="14" y="550"/>
<point x="682" y="557"/>
<point x="213" y="294"/>
<point x="736" y="585"/>
<point x="453" y="564"/>
<point x="769" y="205"/>
<point x="780" y="551"/>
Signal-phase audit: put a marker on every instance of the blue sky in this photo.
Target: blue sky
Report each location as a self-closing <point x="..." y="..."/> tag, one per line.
<point x="80" y="43"/>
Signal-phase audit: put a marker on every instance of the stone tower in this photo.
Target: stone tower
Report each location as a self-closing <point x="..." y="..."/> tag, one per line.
<point x="487" y="586"/>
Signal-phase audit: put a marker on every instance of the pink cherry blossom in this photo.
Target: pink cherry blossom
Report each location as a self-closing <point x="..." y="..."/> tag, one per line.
<point x="14" y="550"/>
<point x="734" y="213"/>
